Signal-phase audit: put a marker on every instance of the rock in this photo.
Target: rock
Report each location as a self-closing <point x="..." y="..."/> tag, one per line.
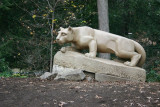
<point x="45" y="75"/>
<point x="97" y="65"/>
<point x="16" y="71"/>
<point x="68" y="73"/>
<point x="89" y="79"/>
<point x="38" y="73"/>
<point x="89" y="74"/>
<point x="57" y="69"/>
<point x="109" y="78"/>
<point x="28" y="73"/>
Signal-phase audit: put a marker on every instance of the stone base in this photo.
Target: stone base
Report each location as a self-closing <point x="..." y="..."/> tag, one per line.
<point x="77" y="60"/>
<point x="68" y="73"/>
<point x="103" y="77"/>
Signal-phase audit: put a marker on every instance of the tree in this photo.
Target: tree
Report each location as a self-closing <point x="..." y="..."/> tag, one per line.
<point x="27" y="37"/>
<point x="25" y="27"/>
<point x="103" y="21"/>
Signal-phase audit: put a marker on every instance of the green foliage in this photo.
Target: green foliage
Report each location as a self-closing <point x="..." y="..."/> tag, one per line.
<point x="4" y="69"/>
<point x="10" y="74"/>
<point x="5" y="4"/>
<point x="6" y="74"/>
<point x="152" y="76"/>
<point x="25" y="29"/>
<point x="26" y="36"/>
<point x="3" y="65"/>
<point x="19" y="75"/>
<point x="139" y="17"/>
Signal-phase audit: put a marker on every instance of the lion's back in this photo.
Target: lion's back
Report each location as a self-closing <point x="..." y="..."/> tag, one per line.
<point x="84" y="31"/>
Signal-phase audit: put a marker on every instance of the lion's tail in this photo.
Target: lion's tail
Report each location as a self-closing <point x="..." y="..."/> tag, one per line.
<point x="141" y="51"/>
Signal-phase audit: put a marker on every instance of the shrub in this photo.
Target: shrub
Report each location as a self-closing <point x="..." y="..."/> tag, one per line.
<point x="152" y="76"/>
<point x="4" y="69"/>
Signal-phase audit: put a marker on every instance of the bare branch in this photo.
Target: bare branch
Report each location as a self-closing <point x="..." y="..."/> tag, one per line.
<point x="53" y="17"/>
<point x="49" y="5"/>
<point x="23" y="9"/>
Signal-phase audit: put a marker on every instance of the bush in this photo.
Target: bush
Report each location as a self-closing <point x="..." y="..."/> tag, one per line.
<point x="3" y="65"/>
<point x="4" y="69"/>
<point x="6" y="74"/>
<point x="152" y="76"/>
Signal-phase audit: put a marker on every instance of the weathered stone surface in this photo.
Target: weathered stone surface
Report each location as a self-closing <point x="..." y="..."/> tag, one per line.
<point x="89" y="74"/>
<point x="89" y="79"/>
<point x="58" y="69"/>
<point x="67" y="73"/>
<point x="79" y="61"/>
<point x="103" y="77"/>
<point x="45" y="75"/>
<point x="39" y="73"/>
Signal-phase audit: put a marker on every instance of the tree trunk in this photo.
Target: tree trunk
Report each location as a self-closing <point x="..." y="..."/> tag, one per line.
<point x="103" y="21"/>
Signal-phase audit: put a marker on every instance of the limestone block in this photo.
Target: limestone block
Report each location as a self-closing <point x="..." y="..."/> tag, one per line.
<point x="60" y="69"/>
<point x="38" y="73"/>
<point x="77" y="60"/>
<point x="45" y="75"/>
<point x="68" y="73"/>
<point x="109" y="78"/>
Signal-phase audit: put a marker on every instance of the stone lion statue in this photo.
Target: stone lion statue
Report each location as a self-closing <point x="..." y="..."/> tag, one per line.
<point x="103" y="42"/>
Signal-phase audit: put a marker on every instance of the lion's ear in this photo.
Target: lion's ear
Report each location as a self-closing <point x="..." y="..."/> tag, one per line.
<point x="61" y="28"/>
<point x="69" y="28"/>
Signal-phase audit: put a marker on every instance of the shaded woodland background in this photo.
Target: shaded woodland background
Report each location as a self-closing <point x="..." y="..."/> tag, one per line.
<point x="28" y="29"/>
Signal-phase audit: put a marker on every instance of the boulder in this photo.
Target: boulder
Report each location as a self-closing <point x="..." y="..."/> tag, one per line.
<point x="104" y="77"/>
<point x="77" y="60"/>
<point x="16" y="71"/>
<point x="67" y="73"/>
<point x="46" y="75"/>
<point x="38" y="73"/>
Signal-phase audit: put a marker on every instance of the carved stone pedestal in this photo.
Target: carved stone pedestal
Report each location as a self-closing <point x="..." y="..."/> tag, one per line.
<point x="105" y="70"/>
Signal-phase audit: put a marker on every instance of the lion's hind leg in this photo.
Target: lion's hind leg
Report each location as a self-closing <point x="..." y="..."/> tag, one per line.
<point x="134" y="56"/>
<point x="126" y="49"/>
<point x="134" y="60"/>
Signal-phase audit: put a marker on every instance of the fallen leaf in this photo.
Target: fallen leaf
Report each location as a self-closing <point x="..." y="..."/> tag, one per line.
<point x="83" y="90"/>
<point x="103" y="105"/>
<point x="42" y="86"/>
<point x="45" y="103"/>
<point x="115" y="100"/>
<point x="77" y="87"/>
<point x="81" y="97"/>
<point x="98" y="97"/>
<point x="71" y="101"/>
<point x="62" y="103"/>
<point x="54" y="101"/>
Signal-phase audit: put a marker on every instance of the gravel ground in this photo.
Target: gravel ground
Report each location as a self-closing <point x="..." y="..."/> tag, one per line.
<point x="32" y="92"/>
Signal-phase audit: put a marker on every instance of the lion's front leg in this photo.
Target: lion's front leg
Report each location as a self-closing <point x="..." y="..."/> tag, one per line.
<point x="63" y="49"/>
<point x="92" y="49"/>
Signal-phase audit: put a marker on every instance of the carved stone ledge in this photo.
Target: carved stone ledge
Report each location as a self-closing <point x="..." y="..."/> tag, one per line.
<point x="77" y="60"/>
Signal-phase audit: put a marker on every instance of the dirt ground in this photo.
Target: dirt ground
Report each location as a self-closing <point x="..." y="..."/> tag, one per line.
<point x="32" y="92"/>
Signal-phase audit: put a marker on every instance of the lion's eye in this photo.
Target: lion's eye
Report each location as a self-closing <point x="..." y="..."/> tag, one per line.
<point x="63" y="34"/>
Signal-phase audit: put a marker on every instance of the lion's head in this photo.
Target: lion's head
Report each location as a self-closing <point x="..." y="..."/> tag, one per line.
<point x="65" y="35"/>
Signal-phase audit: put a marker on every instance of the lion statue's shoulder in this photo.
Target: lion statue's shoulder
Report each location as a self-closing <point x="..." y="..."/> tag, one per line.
<point x="86" y="28"/>
<point x="83" y="30"/>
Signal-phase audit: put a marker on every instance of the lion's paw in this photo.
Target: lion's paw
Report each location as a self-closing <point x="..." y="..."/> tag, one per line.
<point x="63" y="49"/>
<point x="90" y="55"/>
<point x="128" y="63"/>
